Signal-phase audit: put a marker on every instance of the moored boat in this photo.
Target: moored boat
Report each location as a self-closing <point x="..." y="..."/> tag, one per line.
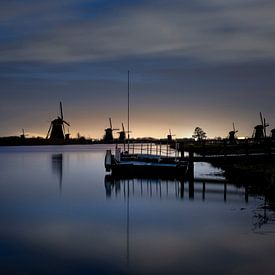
<point x="122" y="163"/>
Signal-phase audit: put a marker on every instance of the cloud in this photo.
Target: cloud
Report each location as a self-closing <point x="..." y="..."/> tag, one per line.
<point x="215" y="31"/>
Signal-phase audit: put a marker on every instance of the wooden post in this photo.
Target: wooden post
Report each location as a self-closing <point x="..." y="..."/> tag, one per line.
<point x="203" y="190"/>
<point x="225" y="192"/>
<point x="191" y="164"/>
<point x="190" y="173"/>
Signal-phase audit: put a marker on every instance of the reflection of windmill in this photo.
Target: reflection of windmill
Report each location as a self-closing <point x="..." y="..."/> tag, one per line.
<point x="259" y="132"/>
<point x="170" y="136"/>
<point x="122" y="134"/>
<point x="109" y="132"/>
<point x="57" y="168"/>
<point x="232" y="138"/>
<point x="57" y="127"/>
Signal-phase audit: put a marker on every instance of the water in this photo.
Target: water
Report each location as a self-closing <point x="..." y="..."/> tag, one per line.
<point x="60" y="215"/>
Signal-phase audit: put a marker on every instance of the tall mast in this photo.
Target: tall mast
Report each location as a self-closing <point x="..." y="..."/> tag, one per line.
<point x="128" y="130"/>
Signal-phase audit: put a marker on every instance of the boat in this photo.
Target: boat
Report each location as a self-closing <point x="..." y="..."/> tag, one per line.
<point x="144" y="165"/>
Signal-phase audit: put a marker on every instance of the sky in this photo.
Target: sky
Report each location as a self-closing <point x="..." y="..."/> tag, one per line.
<point x="194" y="63"/>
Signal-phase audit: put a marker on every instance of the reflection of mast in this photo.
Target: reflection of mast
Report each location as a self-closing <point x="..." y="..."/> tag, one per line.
<point x="128" y="225"/>
<point x="57" y="168"/>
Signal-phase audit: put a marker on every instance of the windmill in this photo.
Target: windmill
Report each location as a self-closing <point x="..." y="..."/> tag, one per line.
<point x="170" y="136"/>
<point x="23" y="135"/>
<point x="109" y="132"/>
<point x="122" y="134"/>
<point x="57" y="127"/>
<point x="259" y="132"/>
<point x="232" y="138"/>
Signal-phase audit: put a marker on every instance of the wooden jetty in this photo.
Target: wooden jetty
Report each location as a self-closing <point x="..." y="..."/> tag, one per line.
<point x="158" y="160"/>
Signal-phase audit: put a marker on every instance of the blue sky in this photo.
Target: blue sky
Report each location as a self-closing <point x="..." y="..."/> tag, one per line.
<point x="193" y="63"/>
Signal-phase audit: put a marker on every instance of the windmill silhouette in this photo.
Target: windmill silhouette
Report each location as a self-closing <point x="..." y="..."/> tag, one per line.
<point x="57" y="127"/>
<point x="259" y="132"/>
<point x="122" y="133"/>
<point x="23" y="135"/>
<point x="170" y="136"/>
<point x="108" y="137"/>
<point x="232" y="135"/>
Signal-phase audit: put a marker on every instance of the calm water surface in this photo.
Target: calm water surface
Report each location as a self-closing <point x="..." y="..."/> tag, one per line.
<point x="60" y="215"/>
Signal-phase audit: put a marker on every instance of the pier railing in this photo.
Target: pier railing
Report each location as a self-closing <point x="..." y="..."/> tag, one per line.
<point x="152" y="149"/>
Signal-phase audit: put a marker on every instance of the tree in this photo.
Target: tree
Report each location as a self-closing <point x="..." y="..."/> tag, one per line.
<point x="199" y="134"/>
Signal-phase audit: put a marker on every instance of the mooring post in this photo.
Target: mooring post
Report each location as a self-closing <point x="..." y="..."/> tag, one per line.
<point x="225" y="192"/>
<point x="191" y="164"/>
<point x="180" y="148"/>
<point x="190" y="173"/>
<point x="203" y="191"/>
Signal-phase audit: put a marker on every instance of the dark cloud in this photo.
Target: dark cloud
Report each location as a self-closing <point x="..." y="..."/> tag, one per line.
<point x="214" y="57"/>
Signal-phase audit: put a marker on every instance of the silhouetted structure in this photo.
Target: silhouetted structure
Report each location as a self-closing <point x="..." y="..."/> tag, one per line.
<point x="260" y="130"/>
<point x="57" y="128"/>
<point x="232" y="135"/>
<point x="109" y="133"/>
<point x="122" y="134"/>
<point x="23" y="136"/>
<point x="273" y="134"/>
<point x="170" y="136"/>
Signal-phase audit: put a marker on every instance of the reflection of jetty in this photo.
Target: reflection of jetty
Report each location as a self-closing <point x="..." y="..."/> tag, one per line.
<point x="179" y="189"/>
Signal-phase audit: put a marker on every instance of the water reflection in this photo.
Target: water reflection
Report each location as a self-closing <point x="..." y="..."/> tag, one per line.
<point x="145" y="226"/>
<point x="57" y="168"/>
<point x="165" y="188"/>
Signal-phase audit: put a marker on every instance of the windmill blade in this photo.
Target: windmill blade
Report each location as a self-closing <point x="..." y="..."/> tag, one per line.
<point x="265" y="124"/>
<point x="170" y="132"/>
<point x="61" y="113"/>
<point x="261" y="119"/>
<point x="116" y="129"/>
<point x="61" y="110"/>
<point x="265" y="128"/>
<point x="110" y="120"/>
<point x="123" y="128"/>
<point x="49" y="131"/>
<point x="65" y="123"/>
<point x="234" y="127"/>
